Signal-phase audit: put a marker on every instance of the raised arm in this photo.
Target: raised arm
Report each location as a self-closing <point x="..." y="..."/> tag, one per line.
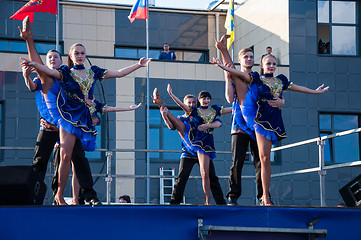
<point x="303" y="89"/>
<point x="119" y="109"/>
<point x="125" y="71"/>
<point x="177" y="100"/>
<point x="243" y="75"/>
<point x="41" y="69"/>
<point x="32" y="86"/>
<point x="229" y="90"/>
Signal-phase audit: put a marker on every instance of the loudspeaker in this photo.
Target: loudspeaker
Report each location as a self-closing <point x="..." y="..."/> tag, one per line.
<point x="21" y="185"/>
<point x="351" y="193"/>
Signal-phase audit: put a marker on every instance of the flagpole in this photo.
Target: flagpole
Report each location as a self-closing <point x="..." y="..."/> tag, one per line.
<point x="148" y="98"/>
<point x="233" y="32"/>
<point x="57" y="27"/>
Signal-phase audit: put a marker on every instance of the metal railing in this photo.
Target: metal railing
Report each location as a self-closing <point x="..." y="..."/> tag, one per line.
<point x="321" y="169"/>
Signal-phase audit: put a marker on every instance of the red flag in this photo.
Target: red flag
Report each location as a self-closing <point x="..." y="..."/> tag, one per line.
<point x="49" y="6"/>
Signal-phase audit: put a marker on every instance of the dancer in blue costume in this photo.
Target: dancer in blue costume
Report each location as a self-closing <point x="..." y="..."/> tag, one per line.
<point x="73" y="87"/>
<point x="265" y="120"/>
<point x="197" y="132"/>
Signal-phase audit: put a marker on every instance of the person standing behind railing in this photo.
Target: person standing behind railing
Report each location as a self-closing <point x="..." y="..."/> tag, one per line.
<point x="167" y="55"/>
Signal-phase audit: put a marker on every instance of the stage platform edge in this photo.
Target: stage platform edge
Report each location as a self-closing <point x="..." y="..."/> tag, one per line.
<point x="171" y="222"/>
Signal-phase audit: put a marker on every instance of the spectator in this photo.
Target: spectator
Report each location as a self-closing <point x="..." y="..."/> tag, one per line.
<point x="124" y="199"/>
<point x="167" y="55"/>
<point x="268" y="50"/>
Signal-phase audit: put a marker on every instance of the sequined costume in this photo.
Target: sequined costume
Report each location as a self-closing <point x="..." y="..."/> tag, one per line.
<point x="201" y="141"/>
<point x="259" y="115"/>
<point x="66" y="103"/>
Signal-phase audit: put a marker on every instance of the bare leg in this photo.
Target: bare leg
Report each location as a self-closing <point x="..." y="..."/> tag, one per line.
<point x="204" y="168"/>
<point x="241" y="87"/>
<point x="75" y="186"/>
<point x="264" y="148"/>
<point x="67" y="141"/>
<point x="27" y="34"/>
<point x="175" y="122"/>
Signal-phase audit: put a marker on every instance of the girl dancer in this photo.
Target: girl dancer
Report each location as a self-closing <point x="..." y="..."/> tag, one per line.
<point x="68" y="93"/>
<point x="197" y="133"/>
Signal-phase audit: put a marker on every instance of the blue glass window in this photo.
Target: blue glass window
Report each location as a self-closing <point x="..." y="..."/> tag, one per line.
<point x="163" y="138"/>
<point x="126" y="53"/>
<point x="340" y="149"/>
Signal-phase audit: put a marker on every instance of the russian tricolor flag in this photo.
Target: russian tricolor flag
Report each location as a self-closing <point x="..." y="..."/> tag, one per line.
<point x="139" y="10"/>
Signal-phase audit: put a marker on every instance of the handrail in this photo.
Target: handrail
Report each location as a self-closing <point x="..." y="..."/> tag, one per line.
<point x="321" y="169"/>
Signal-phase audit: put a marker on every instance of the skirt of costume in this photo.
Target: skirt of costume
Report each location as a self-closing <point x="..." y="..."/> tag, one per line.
<point x="43" y="109"/>
<point x="257" y="115"/>
<point x="198" y="141"/>
<point x="72" y="115"/>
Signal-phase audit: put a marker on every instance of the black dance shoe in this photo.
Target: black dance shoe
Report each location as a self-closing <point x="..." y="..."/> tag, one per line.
<point x="231" y="201"/>
<point x="93" y="202"/>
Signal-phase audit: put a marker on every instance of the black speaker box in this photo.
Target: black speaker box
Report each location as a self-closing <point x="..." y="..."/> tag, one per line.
<point x="351" y="193"/>
<point x="21" y="185"/>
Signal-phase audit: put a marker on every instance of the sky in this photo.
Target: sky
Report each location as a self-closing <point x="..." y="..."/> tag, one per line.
<point x="182" y="4"/>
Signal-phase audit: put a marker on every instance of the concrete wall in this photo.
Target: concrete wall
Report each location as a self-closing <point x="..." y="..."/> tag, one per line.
<point x="260" y="24"/>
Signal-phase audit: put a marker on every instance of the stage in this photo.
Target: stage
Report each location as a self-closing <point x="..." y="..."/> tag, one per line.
<point x="177" y="222"/>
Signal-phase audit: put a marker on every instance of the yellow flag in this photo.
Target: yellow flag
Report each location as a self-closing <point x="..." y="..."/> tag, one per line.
<point x="229" y="24"/>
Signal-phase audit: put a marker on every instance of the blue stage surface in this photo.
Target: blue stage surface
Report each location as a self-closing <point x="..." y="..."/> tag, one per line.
<point x="175" y="222"/>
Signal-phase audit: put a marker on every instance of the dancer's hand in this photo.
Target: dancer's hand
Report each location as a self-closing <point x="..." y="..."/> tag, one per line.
<point x="89" y="102"/>
<point x="135" y="106"/>
<point x="223" y="42"/>
<point x="27" y="63"/>
<point x="26" y="33"/>
<point x="27" y="70"/>
<point x="143" y="62"/>
<point x="321" y="89"/>
<point x="202" y="127"/>
<point x="217" y="62"/>
<point x="276" y="102"/>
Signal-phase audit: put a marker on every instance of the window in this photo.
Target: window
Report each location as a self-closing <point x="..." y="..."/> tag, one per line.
<point x="184" y="55"/>
<point x="20" y="46"/>
<point x="163" y="138"/>
<point x="340" y="149"/>
<point x="338" y="27"/>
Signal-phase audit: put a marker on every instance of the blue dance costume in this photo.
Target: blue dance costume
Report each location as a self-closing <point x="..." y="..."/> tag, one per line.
<point x="196" y="141"/>
<point x="259" y="115"/>
<point x="41" y="105"/>
<point x="66" y="102"/>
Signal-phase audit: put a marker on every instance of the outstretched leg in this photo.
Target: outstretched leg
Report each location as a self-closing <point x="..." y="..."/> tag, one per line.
<point x="167" y="116"/>
<point x="241" y="87"/>
<point x="27" y="34"/>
